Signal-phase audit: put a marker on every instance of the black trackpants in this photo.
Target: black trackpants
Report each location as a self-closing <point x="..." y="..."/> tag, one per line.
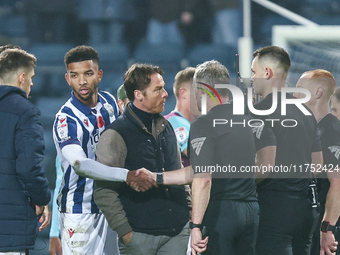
<point x="286" y="224"/>
<point x="232" y="227"/>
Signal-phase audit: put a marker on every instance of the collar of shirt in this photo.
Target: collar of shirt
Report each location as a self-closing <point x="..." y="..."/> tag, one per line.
<point x="145" y="117"/>
<point x="84" y="108"/>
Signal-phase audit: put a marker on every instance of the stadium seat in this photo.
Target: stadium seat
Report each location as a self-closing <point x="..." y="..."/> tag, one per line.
<point x="113" y="57"/>
<point x="48" y="108"/>
<point x="167" y="55"/>
<point x="13" y="26"/>
<point x="111" y="82"/>
<point x="221" y="52"/>
<point x="50" y="55"/>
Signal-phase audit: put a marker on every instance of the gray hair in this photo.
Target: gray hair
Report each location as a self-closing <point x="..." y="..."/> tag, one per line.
<point x="213" y="72"/>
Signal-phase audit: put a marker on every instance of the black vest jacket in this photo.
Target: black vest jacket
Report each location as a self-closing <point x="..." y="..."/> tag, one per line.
<point x="162" y="210"/>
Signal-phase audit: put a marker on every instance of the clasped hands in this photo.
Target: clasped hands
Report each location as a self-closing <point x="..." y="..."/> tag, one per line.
<point x="141" y="179"/>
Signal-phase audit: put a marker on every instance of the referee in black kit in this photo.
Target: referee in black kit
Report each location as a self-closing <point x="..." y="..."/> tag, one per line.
<point x="321" y="84"/>
<point x="223" y="199"/>
<point x="287" y="220"/>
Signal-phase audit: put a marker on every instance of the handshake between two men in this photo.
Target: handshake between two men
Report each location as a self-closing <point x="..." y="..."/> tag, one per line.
<point x="141" y="179"/>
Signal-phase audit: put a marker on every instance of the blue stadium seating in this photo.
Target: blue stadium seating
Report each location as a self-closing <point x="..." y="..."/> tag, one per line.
<point x="167" y="55"/>
<point x="112" y="57"/>
<point x="221" y="52"/>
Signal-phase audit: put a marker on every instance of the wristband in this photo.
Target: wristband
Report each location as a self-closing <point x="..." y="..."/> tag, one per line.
<point x="325" y="227"/>
<point x="159" y="179"/>
<point x="193" y="225"/>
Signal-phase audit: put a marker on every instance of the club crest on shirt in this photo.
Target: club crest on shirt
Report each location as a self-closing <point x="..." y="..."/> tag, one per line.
<point x="197" y="144"/>
<point x="109" y="109"/>
<point x="335" y="150"/>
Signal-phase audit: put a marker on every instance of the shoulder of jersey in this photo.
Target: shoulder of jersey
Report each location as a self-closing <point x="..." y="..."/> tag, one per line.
<point x="332" y="123"/>
<point x="107" y="95"/>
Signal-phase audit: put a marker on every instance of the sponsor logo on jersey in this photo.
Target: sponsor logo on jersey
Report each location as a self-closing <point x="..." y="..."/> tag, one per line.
<point x="71" y="232"/>
<point x="197" y="144"/>
<point x="62" y="130"/>
<point x="335" y="150"/>
<point x="86" y="122"/>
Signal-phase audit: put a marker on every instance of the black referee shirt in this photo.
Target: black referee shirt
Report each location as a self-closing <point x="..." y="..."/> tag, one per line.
<point x="295" y="136"/>
<point x="329" y="131"/>
<point x="228" y="148"/>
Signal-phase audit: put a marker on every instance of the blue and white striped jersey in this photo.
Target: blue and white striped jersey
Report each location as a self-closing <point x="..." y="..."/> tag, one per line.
<point x="79" y="124"/>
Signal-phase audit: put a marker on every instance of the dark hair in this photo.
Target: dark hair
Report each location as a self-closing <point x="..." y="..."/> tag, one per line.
<point x="8" y="46"/>
<point x="138" y="77"/>
<point x="183" y="76"/>
<point x="12" y="60"/>
<point x="275" y="53"/>
<point x="81" y="53"/>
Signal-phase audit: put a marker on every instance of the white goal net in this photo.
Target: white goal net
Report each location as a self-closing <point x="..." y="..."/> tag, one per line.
<point x="310" y="47"/>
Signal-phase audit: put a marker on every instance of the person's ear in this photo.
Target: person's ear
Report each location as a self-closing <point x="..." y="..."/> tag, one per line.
<point x="67" y="78"/>
<point x="268" y="72"/>
<point x="138" y="95"/>
<point x="319" y="92"/>
<point x="183" y="92"/>
<point x="100" y="74"/>
<point x="21" y="78"/>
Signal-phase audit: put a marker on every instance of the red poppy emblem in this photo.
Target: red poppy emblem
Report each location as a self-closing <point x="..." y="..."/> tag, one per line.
<point x="100" y="122"/>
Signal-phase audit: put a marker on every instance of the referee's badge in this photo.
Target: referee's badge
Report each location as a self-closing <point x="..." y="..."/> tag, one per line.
<point x="335" y="150"/>
<point x="197" y="144"/>
<point x="257" y="129"/>
<point x="109" y="108"/>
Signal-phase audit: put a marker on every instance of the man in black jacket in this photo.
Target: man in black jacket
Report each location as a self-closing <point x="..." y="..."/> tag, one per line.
<point x="23" y="184"/>
<point x="155" y="221"/>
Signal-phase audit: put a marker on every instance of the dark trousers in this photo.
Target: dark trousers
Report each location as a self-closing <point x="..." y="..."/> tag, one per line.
<point x="287" y="223"/>
<point x="232" y="227"/>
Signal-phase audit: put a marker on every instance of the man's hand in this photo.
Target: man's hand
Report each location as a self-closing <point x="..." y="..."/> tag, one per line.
<point x="127" y="238"/>
<point x="328" y="243"/>
<point x="197" y="244"/>
<point x="39" y="210"/>
<point x="55" y="246"/>
<point x="141" y="179"/>
<point x="45" y="219"/>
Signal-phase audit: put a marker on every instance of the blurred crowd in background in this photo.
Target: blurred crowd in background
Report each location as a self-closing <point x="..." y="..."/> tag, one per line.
<point x="173" y="34"/>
